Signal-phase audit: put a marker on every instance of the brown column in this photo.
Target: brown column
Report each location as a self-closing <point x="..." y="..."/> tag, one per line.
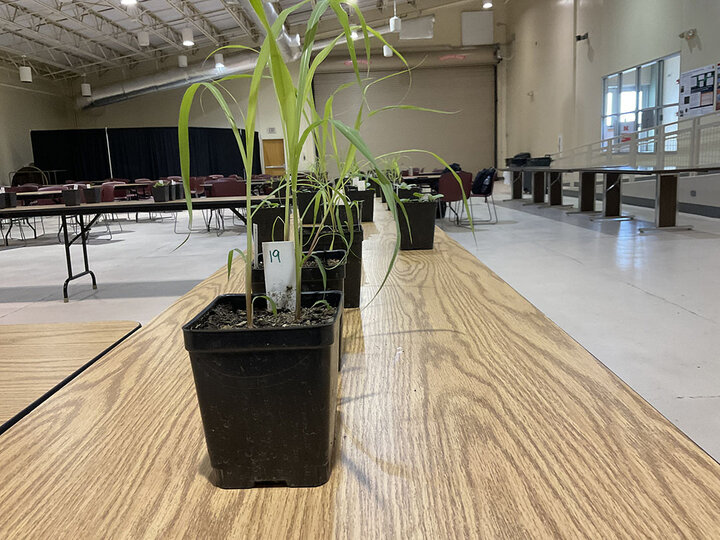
<point x="612" y="200"/>
<point x="555" y="188"/>
<point x="666" y="200"/>
<point x="538" y="187"/>
<point x="587" y="191"/>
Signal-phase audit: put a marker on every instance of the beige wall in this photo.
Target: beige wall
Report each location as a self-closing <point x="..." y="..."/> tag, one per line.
<point x="22" y="108"/>
<point x="565" y="78"/>
<point x="465" y="137"/>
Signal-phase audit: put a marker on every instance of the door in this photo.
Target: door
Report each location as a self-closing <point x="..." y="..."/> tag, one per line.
<point x="274" y="155"/>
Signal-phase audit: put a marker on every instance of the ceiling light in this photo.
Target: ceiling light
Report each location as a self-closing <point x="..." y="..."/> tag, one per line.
<point x="219" y="61"/>
<point x="487" y="4"/>
<point x="85" y="90"/>
<point x="128" y="2"/>
<point x="387" y="51"/>
<point x="182" y="61"/>
<point x="354" y="35"/>
<point x="25" y="74"/>
<point x="143" y="38"/>
<point x="187" y="37"/>
<point x="395" y="21"/>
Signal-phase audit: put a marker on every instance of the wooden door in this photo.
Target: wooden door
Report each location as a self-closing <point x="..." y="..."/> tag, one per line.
<point x="274" y="155"/>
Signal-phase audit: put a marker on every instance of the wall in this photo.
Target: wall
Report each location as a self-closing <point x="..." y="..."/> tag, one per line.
<point x="466" y="137"/>
<point x="564" y="78"/>
<point x="23" y="108"/>
<point x="162" y="109"/>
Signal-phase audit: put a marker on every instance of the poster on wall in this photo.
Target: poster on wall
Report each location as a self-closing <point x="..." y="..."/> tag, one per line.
<point x="697" y="91"/>
<point x="717" y="83"/>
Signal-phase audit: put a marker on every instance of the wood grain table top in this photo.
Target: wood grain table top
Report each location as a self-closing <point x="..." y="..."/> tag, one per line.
<point x="36" y="359"/>
<point x="464" y="413"/>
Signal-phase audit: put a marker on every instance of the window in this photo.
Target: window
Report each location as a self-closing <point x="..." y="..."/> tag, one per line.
<point x="641" y="99"/>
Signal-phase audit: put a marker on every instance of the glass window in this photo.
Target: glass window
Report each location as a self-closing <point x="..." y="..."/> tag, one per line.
<point x="640" y="99"/>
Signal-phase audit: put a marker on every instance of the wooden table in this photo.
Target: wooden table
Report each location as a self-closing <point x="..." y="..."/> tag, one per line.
<point x="93" y="212"/>
<point x="36" y="360"/>
<point x="464" y="413"/>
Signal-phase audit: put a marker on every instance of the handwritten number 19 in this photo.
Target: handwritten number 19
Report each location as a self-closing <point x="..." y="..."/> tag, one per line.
<point x="275" y="255"/>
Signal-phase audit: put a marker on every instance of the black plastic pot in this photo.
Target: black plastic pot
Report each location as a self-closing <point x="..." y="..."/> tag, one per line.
<point x="270" y="223"/>
<point x="341" y="215"/>
<point x="421" y="216"/>
<point x="330" y="240"/>
<point x="304" y="200"/>
<point x="161" y="193"/>
<point x="408" y="193"/>
<point x="367" y="198"/>
<point x="312" y="278"/>
<point x="8" y="200"/>
<point x="71" y="197"/>
<point x="93" y="194"/>
<point x="268" y="398"/>
<point x="179" y="191"/>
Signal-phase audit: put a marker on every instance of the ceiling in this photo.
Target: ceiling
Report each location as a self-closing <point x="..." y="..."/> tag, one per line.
<point x="62" y="39"/>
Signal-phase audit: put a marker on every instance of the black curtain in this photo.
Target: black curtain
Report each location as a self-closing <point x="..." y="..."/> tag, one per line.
<point x="138" y="152"/>
<point x="153" y="152"/>
<point x="80" y="154"/>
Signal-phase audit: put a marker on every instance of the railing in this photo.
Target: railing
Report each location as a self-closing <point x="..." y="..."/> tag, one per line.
<point x="691" y="142"/>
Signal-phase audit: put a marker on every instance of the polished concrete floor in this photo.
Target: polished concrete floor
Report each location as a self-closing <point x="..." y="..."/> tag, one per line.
<point x="646" y="305"/>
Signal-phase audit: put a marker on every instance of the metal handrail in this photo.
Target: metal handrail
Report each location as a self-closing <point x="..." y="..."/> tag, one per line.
<point x="693" y="142"/>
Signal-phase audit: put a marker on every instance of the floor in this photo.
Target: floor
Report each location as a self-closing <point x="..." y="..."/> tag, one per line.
<point x="646" y="305"/>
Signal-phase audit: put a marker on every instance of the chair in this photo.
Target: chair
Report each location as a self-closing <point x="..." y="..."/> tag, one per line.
<point x="486" y="192"/>
<point x="225" y="187"/>
<point x="452" y="192"/>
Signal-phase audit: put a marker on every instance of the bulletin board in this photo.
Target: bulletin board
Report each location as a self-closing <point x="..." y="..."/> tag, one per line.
<point x="697" y="91"/>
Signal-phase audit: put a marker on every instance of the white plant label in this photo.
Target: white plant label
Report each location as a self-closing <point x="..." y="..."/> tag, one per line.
<point x="255" y="245"/>
<point x="359" y="184"/>
<point x="279" y="269"/>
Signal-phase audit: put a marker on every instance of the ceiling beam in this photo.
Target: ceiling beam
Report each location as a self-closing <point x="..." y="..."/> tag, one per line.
<point x="27" y="24"/>
<point x="148" y="20"/>
<point x="242" y="20"/>
<point x="194" y="17"/>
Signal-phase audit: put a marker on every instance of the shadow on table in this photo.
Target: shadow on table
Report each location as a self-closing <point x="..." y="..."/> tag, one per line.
<point x="80" y="290"/>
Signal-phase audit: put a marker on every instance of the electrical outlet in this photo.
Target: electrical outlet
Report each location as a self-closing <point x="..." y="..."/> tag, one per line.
<point x="693" y="193"/>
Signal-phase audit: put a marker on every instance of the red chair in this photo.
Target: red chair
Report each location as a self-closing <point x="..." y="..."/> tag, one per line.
<point x="452" y="191"/>
<point x="227" y="187"/>
<point x="215" y="176"/>
<point x="196" y="185"/>
<point x="110" y="194"/>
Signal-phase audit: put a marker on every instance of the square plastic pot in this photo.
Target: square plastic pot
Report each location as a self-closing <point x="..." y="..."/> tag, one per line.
<point x="331" y="239"/>
<point x="71" y="197"/>
<point x="367" y="199"/>
<point x="267" y="398"/>
<point x="421" y="216"/>
<point x="270" y="223"/>
<point x="8" y="200"/>
<point x="93" y="194"/>
<point x="311" y="278"/>
<point x="161" y="193"/>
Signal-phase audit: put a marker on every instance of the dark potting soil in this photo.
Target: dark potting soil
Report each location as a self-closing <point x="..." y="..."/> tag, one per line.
<point x="223" y="317"/>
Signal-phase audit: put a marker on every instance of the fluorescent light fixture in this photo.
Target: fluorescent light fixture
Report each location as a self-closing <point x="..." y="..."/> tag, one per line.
<point x="487" y="5"/>
<point x="128" y="2"/>
<point x="143" y="38"/>
<point x="187" y="37"/>
<point x="182" y="61"/>
<point x="85" y="90"/>
<point x="219" y="61"/>
<point x="25" y="74"/>
<point x="387" y="51"/>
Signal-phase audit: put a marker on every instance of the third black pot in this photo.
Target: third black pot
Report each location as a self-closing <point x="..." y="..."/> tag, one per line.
<point x="421" y="216"/>
<point x="367" y="198"/>
<point x="71" y="197"/>
<point x="93" y="194"/>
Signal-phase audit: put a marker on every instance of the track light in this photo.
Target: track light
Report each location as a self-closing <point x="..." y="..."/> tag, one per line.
<point x="85" y="90"/>
<point x="143" y="38"/>
<point x="182" y="61"/>
<point x="187" y="37"/>
<point x="128" y="2"/>
<point x="219" y="61"/>
<point x="487" y="4"/>
<point x="395" y="21"/>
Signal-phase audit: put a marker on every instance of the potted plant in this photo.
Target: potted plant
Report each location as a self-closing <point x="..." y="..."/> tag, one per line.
<point x="269" y="218"/>
<point x="161" y="191"/>
<point x="71" y="197"/>
<point x="8" y="199"/>
<point x="362" y="192"/>
<point x="265" y="365"/>
<point x="93" y="194"/>
<point x="418" y="232"/>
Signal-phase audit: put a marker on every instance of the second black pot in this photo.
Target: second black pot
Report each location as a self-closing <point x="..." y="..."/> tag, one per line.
<point x="421" y="216"/>
<point x="330" y="239"/>
<point x="312" y="278"/>
<point x="270" y="224"/>
<point x="71" y="197"/>
<point x="367" y="198"/>
<point x="93" y="194"/>
<point x="8" y="200"/>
